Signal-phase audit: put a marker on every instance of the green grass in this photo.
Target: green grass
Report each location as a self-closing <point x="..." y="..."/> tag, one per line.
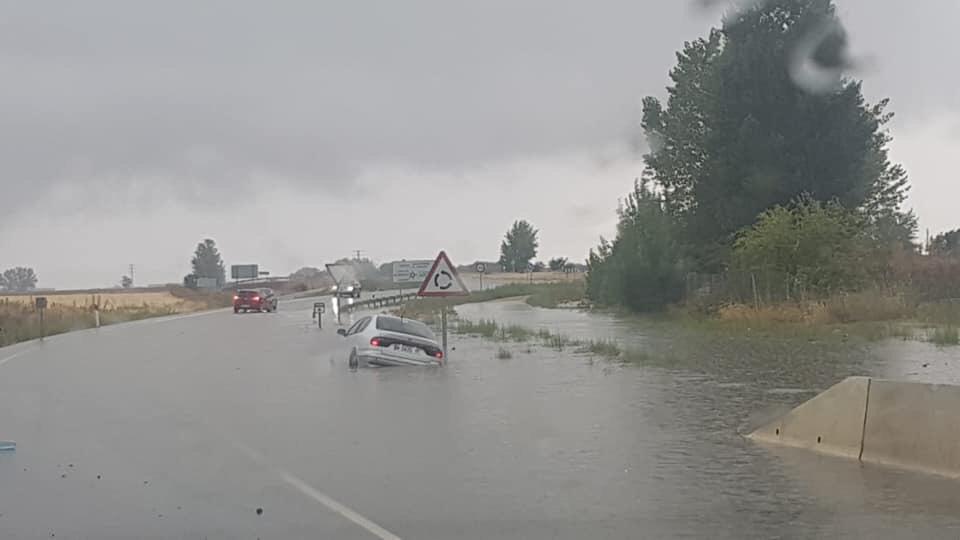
<point x="604" y="347"/>
<point x="514" y="332"/>
<point x="945" y="335"/>
<point x="482" y="328"/>
<point x="490" y="329"/>
<point x="552" y="295"/>
<point x="939" y="313"/>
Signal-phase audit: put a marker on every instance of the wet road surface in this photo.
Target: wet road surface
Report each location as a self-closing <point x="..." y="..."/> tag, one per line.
<point x="185" y="428"/>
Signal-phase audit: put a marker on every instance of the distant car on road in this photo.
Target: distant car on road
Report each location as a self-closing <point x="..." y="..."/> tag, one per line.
<point x="350" y="291"/>
<point x="385" y="340"/>
<point x="254" y="300"/>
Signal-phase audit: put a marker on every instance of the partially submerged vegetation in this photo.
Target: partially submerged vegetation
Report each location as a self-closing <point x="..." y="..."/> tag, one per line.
<point x="514" y="333"/>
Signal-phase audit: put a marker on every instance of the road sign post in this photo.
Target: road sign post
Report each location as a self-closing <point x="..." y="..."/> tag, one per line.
<point x="318" y="309"/>
<point x="481" y="268"/>
<point x="443" y="330"/>
<point x="41" y="303"/>
<point x="443" y="282"/>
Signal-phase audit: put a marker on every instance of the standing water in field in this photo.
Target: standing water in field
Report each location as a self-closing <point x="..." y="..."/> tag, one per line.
<point x="681" y="407"/>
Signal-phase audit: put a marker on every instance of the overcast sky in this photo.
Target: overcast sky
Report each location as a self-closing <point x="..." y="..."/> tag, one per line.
<point x="296" y="132"/>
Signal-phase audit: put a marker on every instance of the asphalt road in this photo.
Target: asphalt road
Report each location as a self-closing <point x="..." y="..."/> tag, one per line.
<point x="184" y="427"/>
<point x="218" y="425"/>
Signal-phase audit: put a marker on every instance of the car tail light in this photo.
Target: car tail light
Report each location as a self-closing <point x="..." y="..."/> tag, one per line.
<point x="438" y="355"/>
<point x="375" y="342"/>
<point x="235" y="297"/>
<point x="256" y="298"/>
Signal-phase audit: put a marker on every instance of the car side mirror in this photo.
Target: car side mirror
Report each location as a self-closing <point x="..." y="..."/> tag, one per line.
<point x="342" y="331"/>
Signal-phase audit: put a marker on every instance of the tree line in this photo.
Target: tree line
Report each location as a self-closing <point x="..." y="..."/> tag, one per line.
<point x="752" y="170"/>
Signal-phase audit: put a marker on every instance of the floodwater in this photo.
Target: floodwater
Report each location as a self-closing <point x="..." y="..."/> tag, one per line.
<point x="674" y="422"/>
<point x="217" y="425"/>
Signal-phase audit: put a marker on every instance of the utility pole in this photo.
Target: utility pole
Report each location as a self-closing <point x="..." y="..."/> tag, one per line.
<point x="131" y="275"/>
<point x="358" y="252"/>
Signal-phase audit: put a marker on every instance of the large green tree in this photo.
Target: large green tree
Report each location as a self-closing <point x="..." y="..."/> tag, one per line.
<point x="519" y="246"/>
<point x="741" y="133"/>
<point x="207" y="262"/>
<point x="643" y="268"/>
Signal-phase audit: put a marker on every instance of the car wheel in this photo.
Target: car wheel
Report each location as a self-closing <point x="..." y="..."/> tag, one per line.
<point x="354" y="361"/>
<point x="236" y="310"/>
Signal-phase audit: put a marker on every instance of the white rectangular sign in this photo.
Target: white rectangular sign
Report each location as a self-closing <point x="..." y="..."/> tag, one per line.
<point x="408" y="271"/>
<point x="244" y="271"/>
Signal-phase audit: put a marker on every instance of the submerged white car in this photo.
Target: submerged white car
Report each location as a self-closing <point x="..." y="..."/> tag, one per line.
<point x="385" y="340"/>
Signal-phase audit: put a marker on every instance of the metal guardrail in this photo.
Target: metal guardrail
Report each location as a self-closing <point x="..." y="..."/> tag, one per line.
<point x="375" y="303"/>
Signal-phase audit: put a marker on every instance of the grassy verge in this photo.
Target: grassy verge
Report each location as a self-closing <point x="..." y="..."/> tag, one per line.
<point x="21" y="322"/>
<point x="869" y="315"/>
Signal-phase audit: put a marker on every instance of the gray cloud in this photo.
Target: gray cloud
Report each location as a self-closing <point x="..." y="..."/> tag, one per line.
<point x="312" y="92"/>
<point x="111" y="106"/>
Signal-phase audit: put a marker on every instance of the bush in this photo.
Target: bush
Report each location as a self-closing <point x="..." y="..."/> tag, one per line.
<point x="813" y="247"/>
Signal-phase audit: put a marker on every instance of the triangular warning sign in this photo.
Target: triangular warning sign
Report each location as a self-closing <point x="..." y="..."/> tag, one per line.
<point x="443" y="280"/>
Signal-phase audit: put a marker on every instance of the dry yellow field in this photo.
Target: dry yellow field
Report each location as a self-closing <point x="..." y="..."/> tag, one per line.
<point x="111" y="300"/>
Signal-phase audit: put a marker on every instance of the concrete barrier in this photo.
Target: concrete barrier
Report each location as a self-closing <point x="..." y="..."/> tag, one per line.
<point x="831" y="422"/>
<point x="914" y="426"/>
<point x="903" y="424"/>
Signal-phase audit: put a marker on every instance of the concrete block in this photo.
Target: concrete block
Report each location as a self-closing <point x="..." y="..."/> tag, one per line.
<point x="914" y="426"/>
<point x="831" y="423"/>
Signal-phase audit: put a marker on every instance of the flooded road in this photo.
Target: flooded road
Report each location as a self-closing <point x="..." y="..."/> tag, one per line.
<point x="674" y="420"/>
<point x="216" y="425"/>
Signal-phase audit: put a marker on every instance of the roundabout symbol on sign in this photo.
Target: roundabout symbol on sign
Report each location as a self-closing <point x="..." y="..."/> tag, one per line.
<point x="447" y="280"/>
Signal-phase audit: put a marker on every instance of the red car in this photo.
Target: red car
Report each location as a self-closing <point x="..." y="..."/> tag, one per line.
<point x="254" y="300"/>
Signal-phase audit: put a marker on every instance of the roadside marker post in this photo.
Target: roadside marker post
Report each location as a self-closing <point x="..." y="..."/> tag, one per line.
<point x="443" y="282"/>
<point x="41" y="303"/>
<point x="318" y="309"/>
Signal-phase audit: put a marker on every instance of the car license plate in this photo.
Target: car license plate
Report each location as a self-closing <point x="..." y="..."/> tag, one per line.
<point x="404" y="348"/>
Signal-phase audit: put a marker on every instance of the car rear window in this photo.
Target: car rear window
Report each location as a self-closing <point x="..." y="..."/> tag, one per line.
<point x="248" y="293"/>
<point x="404" y="326"/>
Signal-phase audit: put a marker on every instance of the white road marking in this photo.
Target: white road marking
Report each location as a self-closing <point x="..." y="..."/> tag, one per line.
<point x="14" y="355"/>
<point x="344" y="511"/>
<point x="322" y="498"/>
